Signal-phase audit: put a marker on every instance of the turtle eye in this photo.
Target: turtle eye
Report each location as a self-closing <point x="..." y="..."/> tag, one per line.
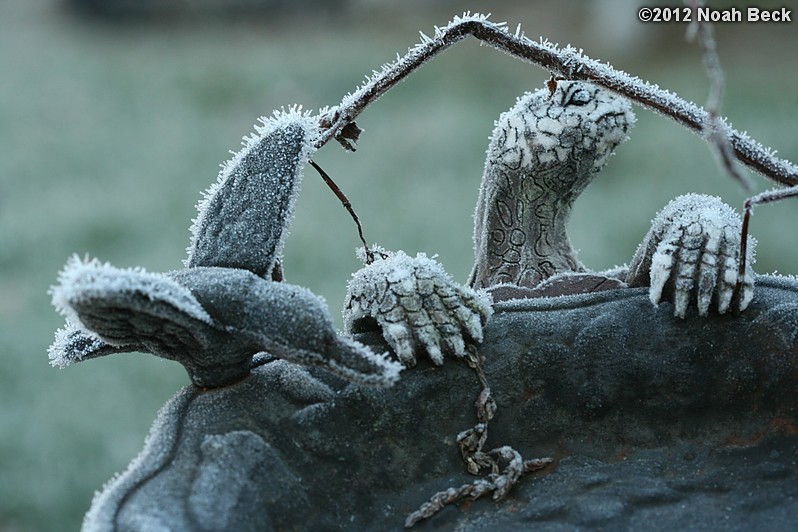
<point x="578" y="97"/>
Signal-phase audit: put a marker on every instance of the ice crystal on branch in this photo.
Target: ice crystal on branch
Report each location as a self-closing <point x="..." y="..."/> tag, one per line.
<point x="568" y="63"/>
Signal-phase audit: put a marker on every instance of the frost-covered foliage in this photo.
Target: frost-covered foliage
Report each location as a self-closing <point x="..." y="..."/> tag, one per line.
<point x="691" y="255"/>
<point x="417" y="304"/>
<point x="223" y="309"/>
<point x="543" y="153"/>
<point x="243" y="217"/>
<point x="211" y="320"/>
<point x="110" y="310"/>
<point x="73" y="345"/>
<point x="82" y="282"/>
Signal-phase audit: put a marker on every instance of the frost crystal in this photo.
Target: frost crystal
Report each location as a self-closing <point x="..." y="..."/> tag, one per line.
<point x="243" y="217"/>
<point x="83" y="280"/>
<point x="418" y="305"/>
<point x="566" y="62"/>
<point x="73" y="345"/>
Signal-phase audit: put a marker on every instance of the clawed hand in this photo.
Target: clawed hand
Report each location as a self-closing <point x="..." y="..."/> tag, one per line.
<point x="418" y="305"/>
<point x="691" y="255"/>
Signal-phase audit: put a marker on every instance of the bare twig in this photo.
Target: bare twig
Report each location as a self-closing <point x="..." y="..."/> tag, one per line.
<point x="717" y="136"/>
<point x="715" y="131"/>
<point x="567" y="62"/>
<point x="768" y="196"/>
<point x="347" y="205"/>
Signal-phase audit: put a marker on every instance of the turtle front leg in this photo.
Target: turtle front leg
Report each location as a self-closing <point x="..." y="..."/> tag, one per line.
<point x="690" y="256"/>
<point x="418" y="306"/>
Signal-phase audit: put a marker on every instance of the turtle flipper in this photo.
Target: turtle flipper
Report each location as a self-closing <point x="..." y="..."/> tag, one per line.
<point x="124" y="310"/>
<point x="243" y="217"/>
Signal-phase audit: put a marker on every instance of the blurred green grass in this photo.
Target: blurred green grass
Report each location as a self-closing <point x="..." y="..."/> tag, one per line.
<point x="108" y="132"/>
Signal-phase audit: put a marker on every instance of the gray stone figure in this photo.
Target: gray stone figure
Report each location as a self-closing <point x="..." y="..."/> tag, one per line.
<point x="675" y="414"/>
<point x="653" y="421"/>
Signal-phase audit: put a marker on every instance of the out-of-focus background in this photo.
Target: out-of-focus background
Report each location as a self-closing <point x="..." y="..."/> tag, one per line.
<point x="115" y="114"/>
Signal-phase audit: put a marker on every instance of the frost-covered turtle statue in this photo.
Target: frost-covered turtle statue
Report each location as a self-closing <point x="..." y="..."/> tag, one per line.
<point x="543" y="153"/>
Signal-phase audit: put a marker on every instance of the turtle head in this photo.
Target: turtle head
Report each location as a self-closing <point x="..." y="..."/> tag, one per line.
<point x="562" y="137"/>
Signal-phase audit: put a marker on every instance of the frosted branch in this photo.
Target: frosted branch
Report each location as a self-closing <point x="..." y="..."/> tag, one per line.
<point x="566" y="62"/>
<point x="715" y="131"/>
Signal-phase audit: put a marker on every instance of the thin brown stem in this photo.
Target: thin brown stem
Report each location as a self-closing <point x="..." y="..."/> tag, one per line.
<point x="347" y="205"/>
<point x="742" y="260"/>
<point x="567" y="62"/>
<point x="769" y="196"/>
<point x="717" y="138"/>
